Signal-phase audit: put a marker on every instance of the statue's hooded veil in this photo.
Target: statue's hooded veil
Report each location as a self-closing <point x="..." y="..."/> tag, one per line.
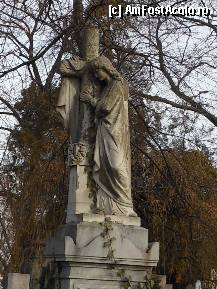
<point x="112" y="163"/>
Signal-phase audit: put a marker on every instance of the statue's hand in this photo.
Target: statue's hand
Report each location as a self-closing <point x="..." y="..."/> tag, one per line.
<point x="101" y="109"/>
<point x="85" y="97"/>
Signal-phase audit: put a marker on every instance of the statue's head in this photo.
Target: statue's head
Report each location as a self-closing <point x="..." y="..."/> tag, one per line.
<point x="104" y="70"/>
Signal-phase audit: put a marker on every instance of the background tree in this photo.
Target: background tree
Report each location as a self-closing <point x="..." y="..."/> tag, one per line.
<point x="170" y="65"/>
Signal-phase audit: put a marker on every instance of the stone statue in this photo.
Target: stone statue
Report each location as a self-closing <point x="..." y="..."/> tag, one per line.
<point x="68" y="96"/>
<point x="112" y="167"/>
<point x="94" y="105"/>
<point x="102" y="231"/>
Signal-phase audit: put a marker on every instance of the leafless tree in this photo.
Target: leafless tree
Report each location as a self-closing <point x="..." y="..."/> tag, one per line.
<point x="170" y="63"/>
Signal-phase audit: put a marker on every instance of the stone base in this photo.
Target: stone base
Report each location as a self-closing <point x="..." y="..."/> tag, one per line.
<point x="99" y="277"/>
<point x="100" y="218"/>
<point x="82" y="258"/>
<point x="17" y="280"/>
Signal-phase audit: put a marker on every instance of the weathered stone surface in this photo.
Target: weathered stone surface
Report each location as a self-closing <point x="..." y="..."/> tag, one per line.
<point x="84" y="243"/>
<point x="93" y="103"/>
<point x="99" y="218"/>
<point x="168" y="286"/>
<point x="162" y="280"/>
<point x="79" y="249"/>
<point x="18" y="281"/>
<point x="91" y="43"/>
<point x="78" y="121"/>
<point x="78" y="197"/>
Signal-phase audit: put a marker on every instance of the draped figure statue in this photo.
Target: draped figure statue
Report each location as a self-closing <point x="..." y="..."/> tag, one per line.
<point x="99" y="86"/>
<point x="112" y="163"/>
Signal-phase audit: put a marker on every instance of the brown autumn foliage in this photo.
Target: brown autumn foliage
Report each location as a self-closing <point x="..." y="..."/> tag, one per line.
<point x="38" y="202"/>
<point x="175" y="194"/>
<point x="174" y="189"/>
<point x="179" y="206"/>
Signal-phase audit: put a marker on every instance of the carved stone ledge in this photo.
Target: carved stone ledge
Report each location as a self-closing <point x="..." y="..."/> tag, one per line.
<point x="99" y="218"/>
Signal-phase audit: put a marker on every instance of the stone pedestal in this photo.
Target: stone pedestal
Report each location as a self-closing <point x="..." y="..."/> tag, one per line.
<point x="78" y="197"/>
<point x="88" y="254"/>
<point x="18" y="281"/>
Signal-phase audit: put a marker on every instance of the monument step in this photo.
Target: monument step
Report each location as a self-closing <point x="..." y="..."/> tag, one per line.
<point x="86" y="242"/>
<point x="100" y="218"/>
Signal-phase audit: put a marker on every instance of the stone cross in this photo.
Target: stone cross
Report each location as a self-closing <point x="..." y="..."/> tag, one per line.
<point x="79" y="124"/>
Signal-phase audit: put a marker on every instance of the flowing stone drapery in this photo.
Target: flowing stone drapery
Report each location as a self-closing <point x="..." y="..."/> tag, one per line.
<point x="109" y="150"/>
<point x="68" y="101"/>
<point x="112" y="165"/>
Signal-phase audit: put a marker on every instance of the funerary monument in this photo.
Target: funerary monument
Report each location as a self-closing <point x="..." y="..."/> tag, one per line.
<point x="102" y="245"/>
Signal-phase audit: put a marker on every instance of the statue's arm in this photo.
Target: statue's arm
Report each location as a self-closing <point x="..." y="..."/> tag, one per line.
<point x="65" y="69"/>
<point x="88" y="98"/>
<point x="105" y="105"/>
<point x="71" y="67"/>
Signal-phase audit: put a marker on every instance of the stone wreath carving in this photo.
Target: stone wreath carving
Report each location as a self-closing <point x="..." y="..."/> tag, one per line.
<point x="76" y="154"/>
